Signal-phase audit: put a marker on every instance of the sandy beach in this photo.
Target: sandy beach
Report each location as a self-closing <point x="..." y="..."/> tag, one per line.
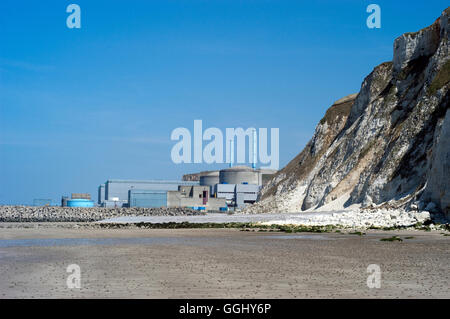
<point x="219" y="263"/>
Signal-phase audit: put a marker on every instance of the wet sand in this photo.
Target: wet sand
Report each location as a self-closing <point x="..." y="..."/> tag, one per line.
<point x="220" y="263"/>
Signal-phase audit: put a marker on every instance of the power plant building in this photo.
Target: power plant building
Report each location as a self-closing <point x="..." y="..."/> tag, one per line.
<point x="236" y="175"/>
<point x="147" y="198"/>
<point x="101" y="194"/>
<point x="238" y="185"/>
<point x="213" y="190"/>
<point x="265" y="175"/>
<point x="237" y="195"/>
<point x="117" y="191"/>
<point x="80" y="202"/>
<point x="196" y="197"/>
<point x="77" y="200"/>
<point x="210" y="179"/>
<point x="239" y="175"/>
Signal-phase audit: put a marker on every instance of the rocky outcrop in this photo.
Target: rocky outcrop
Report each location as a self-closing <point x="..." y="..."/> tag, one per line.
<point x="359" y="219"/>
<point x="78" y="214"/>
<point x="386" y="146"/>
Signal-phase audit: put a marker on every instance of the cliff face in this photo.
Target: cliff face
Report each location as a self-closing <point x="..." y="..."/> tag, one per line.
<point x="388" y="145"/>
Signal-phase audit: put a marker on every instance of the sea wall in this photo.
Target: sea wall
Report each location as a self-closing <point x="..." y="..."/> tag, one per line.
<point x="79" y="214"/>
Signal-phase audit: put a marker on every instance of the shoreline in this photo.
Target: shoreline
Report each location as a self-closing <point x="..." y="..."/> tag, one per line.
<point x="291" y="223"/>
<point x="350" y="218"/>
<point x="220" y="263"/>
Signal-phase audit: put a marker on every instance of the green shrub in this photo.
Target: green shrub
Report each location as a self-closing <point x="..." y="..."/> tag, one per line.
<point x="441" y="78"/>
<point x="393" y="238"/>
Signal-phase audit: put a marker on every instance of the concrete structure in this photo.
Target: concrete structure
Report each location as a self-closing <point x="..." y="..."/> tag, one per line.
<point x="116" y="191"/>
<point x="240" y="185"/>
<point x="64" y="200"/>
<point x="237" y="195"/>
<point x="226" y="191"/>
<point x="239" y="175"/>
<point x="213" y="177"/>
<point x="115" y="203"/>
<point x="210" y="179"/>
<point x="197" y="197"/>
<point x="101" y="194"/>
<point x="81" y="196"/>
<point x="265" y="175"/>
<point x="157" y="193"/>
<point x="246" y="194"/>
<point x="147" y="198"/>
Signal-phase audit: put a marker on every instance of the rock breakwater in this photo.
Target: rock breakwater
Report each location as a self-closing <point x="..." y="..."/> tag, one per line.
<point x="78" y="214"/>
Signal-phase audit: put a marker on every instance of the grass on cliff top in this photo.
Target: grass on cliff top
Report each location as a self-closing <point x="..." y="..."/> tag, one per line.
<point x="442" y="78"/>
<point x="336" y="111"/>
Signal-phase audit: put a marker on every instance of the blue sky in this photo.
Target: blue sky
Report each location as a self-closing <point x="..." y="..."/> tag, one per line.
<point x="79" y="106"/>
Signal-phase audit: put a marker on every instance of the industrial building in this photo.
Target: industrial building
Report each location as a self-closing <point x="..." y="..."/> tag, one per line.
<point x="265" y="175"/>
<point x="196" y="197"/>
<point x="213" y="177"/>
<point x="116" y="193"/>
<point x="77" y="200"/>
<point x="214" y="190"/>
<point x="237" y="195"/>
<point x="238" y="185"/>
<point x="210" y="178"/>
<point x="147" y="198"/>
<point x="101" y="194"/>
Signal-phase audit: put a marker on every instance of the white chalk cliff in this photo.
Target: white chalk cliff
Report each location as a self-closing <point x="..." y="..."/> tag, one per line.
<point x="387" y="146"/>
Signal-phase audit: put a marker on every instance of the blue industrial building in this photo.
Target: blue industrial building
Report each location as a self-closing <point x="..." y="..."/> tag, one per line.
<point x="80" y="202"/>
<point x="147" y="198"/>
<point x="115" y="192"/>
<point x="77" y="200"/>
<point x="101" y="194"/>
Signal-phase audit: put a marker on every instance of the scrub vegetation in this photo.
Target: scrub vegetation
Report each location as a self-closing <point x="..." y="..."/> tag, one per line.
<point x="256" y="227"/>
<point x="241" y="226"/>
<point x="393" y="238"/>
<point x="442" y="78"/>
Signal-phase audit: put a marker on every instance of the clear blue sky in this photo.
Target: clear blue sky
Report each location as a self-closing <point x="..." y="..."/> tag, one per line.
<point x="80" y="106"/>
